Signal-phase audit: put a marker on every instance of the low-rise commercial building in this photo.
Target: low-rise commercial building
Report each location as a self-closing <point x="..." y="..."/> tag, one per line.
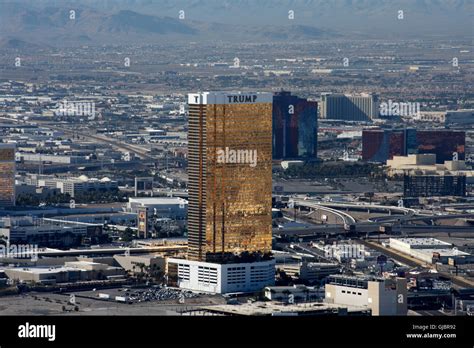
<point x="149" y="263"/>
<point x="295" y="293"/>
<point x="430" y="250"/>
<point x="71" y="272"/>
<point x="273" y="308"/>
<point x="309" y="271"/>
<point x="48" y="232"/>
<point x="382" y="296"/>
<point x="163" y="207"/>
<point x="74" y="186"/>
<point x="425" y="164"/>
<point x="57" y="159"/>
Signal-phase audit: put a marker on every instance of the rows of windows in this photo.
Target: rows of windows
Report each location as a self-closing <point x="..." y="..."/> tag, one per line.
<point x="236" y="281"/>
<point x="207" y="275"/>
<point x="207" y="280"/>
<point x="261" y="267"/>
<point x="183" y="272"/>
<point x="235" y="273"/>
<point x="353" y="292"/>
<point x="259" y="280"/>
<point x="203" y="268"/>
<point x="260" y="274"/>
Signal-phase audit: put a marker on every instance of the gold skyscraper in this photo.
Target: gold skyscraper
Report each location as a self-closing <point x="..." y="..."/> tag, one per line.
<point x="7" y="174"/>
<point x="230" y="174"/>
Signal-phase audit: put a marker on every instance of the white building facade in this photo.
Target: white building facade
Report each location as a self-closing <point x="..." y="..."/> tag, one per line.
<point x="381" y="296"/>
<point x="223" y="278"/>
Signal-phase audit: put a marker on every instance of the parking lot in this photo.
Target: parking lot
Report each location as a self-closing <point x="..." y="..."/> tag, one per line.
<point x="146" y="301"/>
<point x="133" y="296"/>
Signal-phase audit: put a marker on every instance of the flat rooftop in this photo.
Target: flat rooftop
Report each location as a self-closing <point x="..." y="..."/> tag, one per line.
<point x="421" y="241"/>
<point x="44" y="270"/>
<point x="322" y="264"/>
<point x="271" y="308"/>
<point x="84" y="262"/>
<point x="443" y="252"/>
<point x="157" y="200"/>
<point x="140" y="256"/>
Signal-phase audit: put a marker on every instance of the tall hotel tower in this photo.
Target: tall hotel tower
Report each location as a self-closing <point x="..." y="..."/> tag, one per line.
<point x="230" y="192"/>
<point x="7" y="175"/>
<point x="229" y="203"/>
<point x="347" y="107"/>
<point x="295" y="127"/>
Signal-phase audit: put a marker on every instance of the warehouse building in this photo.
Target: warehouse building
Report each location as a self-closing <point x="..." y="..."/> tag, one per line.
<point x="430" y="250"/>
<point x="73" y="271"/>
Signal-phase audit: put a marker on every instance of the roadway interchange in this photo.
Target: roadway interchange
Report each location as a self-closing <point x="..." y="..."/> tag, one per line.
<point x="367" y="231"/>
<point x="399" y="218"/>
